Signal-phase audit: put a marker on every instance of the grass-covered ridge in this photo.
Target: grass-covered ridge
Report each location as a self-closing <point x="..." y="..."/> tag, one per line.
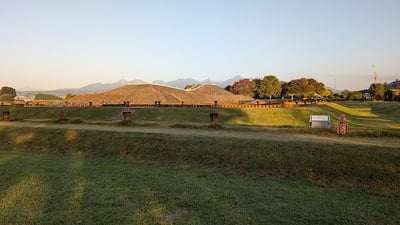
<point x="360" y="115"/>
<point x="328" y="161"/>
<point x="52" y="113"/>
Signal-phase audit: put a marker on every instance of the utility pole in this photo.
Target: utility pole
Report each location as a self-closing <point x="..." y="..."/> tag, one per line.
<point x="374" y="74"/>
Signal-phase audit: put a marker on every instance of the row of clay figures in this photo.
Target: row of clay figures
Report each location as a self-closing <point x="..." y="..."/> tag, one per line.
<point x="342" y="127"/>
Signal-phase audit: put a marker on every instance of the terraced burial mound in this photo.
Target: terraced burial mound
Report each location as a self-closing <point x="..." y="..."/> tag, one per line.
<point x="151" y="93"/>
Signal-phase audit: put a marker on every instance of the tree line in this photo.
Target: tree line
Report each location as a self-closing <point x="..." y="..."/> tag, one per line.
<point x="270" y="87"/>
<point x="9" y="93"/>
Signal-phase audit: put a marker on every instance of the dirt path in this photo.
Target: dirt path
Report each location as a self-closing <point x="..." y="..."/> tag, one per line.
<point x="382" y="142"/>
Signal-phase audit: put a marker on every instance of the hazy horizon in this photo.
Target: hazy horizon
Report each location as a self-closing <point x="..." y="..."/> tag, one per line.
<point x="70" y="44"/>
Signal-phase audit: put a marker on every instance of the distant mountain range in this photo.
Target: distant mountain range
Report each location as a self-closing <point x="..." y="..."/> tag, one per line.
<point x="102" y="87"/>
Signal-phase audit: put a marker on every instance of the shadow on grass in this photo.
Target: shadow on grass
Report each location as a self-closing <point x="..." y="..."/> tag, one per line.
<point x="62" y="189"/>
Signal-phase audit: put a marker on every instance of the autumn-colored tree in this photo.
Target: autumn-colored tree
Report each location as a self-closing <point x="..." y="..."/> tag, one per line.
<point x="269" y="86"/>
<point x="244" y="87"/>
<point x="306" y="87"/>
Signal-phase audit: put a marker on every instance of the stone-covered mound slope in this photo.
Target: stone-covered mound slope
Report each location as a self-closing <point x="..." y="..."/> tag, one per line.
<point x="150" y="93"/>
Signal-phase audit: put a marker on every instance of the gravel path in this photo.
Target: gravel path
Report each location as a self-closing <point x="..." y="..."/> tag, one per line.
<point x="381" y="141"/>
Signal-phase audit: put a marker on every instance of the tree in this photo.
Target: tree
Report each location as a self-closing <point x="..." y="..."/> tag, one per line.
<point x="304" y="87"/>
<point x="355" y="95"/>
<point x="269" y="86"/>
<point x="389" y="95"/>
<point x="6" y="97"/>
<point x="298" y="87"/>
<point x="377" y="91"/>
<point x="69" y="95"/>
<point x="345" y="94"/>
<point x="316" y="86"/>
<point x="46" y="97"/>
<point x="228" y="88"/>
<point x="327" y="93"/>
<point x="191" y="86"/>
<point x="7" y="93"/>
<point x="257" y="81"/>
<point x="244" y="87"/>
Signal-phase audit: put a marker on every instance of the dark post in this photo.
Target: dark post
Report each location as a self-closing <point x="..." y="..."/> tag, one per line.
<point x="62" y="115"/>
<point x="127" y="115"/>
<point x="214" y="119"/>
<point x="6" y="116"/>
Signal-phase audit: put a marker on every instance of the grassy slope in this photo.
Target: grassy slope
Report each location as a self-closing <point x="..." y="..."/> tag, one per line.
<point x="332" y="162"/>
<point x="361" y="115"/>
<point x="52" y="113"/>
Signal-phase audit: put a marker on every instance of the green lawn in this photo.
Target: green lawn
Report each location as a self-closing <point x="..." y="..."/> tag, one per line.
<point x="52" y="113"/>
<point x="361" y="115"/>
<point x="65" y="189"/>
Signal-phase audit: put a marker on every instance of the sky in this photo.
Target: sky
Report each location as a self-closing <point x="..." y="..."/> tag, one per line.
<point x="47" y="44"/>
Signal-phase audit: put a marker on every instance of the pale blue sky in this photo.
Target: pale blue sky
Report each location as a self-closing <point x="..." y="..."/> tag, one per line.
<point x="51" y="44"/>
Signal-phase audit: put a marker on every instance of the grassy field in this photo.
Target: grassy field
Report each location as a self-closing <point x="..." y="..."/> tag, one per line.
<point x="66" y="176"/>
<point x="360" y="115"/>
<point x="48" y="114"/>
<point x="54" y="189"/>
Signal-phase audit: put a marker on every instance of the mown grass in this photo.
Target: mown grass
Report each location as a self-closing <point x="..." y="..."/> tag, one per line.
<point x="65" y="189"/>
<point x="361" y="165"/>
<point x="53" y="113"/>
<point x="360" y="115"/>
<point x="276" y="117"/>
<point x="370" y="115"/>
<point x="365" y="118"/>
